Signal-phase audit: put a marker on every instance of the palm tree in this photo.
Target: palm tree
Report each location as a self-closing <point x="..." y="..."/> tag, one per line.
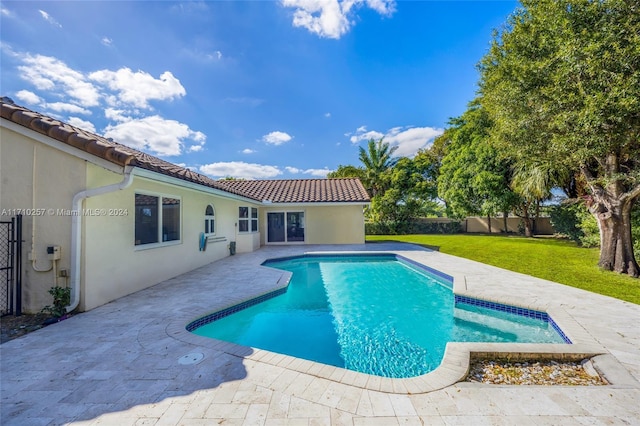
<point x="533" y="181"/>
<point x="377" y="160"/>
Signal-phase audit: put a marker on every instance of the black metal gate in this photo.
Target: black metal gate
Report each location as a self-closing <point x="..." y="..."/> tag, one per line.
<point x="11" y="266"/>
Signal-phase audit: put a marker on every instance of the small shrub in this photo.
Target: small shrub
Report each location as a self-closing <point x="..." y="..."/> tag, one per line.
<point x="61" y="299"/>
<point x="575" y="222"/>
<point x="589" y="226"/>
<point x="564" y="219"/>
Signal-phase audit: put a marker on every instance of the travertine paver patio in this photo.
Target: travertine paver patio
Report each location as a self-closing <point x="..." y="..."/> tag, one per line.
<point x="119" y="364"/>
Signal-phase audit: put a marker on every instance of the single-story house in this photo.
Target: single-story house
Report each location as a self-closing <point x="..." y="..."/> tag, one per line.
<point x="108" y="220"/>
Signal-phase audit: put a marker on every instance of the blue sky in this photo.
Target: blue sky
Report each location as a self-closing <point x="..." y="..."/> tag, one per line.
<point x="251" y="89"/>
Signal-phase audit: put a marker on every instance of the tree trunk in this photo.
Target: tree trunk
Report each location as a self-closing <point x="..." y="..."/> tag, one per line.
<point x="616" y="245"/>
<point x="611" y="206"/>
<point x="535" y="219"/>
<point x="526" y="218"/>
<point x="489" y="222"/>
<point x="505" y="217"/>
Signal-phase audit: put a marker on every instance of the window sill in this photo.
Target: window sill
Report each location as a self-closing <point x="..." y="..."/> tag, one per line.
<point x="150" y="246"/>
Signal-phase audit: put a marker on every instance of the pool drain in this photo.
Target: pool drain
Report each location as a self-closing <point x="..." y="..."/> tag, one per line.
<point x="190" y="359"/>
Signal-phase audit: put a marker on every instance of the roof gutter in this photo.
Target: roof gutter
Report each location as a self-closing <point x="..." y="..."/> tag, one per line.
<point x="76" y="229"/>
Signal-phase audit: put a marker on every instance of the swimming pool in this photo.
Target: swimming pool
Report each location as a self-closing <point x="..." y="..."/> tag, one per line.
<point x="380" y="315"/>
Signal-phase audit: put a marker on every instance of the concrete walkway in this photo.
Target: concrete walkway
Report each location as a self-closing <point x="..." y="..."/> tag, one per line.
<point x="128" y="362"/>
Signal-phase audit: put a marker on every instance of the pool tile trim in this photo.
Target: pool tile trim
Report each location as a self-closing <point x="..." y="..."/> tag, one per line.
<point x="207" y="319"/>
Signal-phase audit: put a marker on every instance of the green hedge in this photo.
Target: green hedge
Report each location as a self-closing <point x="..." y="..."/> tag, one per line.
<point x="402" y="228"/>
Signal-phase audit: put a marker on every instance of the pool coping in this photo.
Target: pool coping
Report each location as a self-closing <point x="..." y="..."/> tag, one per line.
<point x="456" y="361"/>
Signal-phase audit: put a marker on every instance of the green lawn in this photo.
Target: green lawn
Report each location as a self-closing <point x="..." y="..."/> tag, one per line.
<point x="552" y="259"/>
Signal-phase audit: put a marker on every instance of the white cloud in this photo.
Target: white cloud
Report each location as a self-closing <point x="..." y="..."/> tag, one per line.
<point x="137" y="88"/>
<point x="248" y="151"/>
<point x="312" y="172"/>
<point x="383" y="7"/>
<point x="5" y="12"/>
<point x="116" y="115"/>
<point x="362" y="134"/>
<point x="49" y="19"/>
<point x="123" y="94"/>
<point x="331" y="18"/>
<point x="48" y="73"/>
<point x="317" y="172"/>
<point x="106" y="41"/>
<point x="276" y="138"/>
<point x="28" y="97"/>
<point x="327" y="115"/>
<point x="66" y="107"/>
<point x="195" y="148"/>
<point x="83" y="124"/>
<point x="155" y="134"/>
<point x="408" y="139"/>
<point x="240" y="169"/>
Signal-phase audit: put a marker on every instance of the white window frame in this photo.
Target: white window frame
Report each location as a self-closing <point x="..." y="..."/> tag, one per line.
<point x="210" y="220"/>
<point x="160" y="243"/>
<point x="250" y="220"/>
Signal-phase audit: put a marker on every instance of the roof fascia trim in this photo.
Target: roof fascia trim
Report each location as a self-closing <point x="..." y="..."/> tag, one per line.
<point x="159" y="177"/>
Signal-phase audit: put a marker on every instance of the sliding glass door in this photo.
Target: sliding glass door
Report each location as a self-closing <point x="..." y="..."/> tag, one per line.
<point x="275" y="228"/>
<point x="285" y="227"/>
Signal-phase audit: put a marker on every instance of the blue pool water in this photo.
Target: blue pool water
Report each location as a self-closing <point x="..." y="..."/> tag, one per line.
<point x="372" y="314"/>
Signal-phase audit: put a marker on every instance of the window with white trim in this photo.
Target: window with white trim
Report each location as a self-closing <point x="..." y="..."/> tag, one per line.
<point x="209" y="220"/>
<point x="247" y="219"/>
<point x="254" y="219"/>
<point x="157" y="219"/>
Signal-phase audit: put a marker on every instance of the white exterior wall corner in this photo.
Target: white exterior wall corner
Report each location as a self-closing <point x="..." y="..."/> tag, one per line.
<point x="41" y="181"/>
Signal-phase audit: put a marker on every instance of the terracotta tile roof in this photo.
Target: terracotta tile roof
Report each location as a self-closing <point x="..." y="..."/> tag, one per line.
<point x="303" y="190"/>
<point x="311" y="190"/>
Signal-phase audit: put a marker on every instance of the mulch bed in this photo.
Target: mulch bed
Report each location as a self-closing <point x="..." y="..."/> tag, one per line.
<point x="534" y="372"/>
<point x="12" y="326"/>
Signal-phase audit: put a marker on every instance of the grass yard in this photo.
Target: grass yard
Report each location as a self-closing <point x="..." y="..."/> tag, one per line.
<point x="551" y="259"/>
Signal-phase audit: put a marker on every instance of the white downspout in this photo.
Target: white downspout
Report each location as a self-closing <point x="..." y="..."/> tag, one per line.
<point x="76" y="230"/>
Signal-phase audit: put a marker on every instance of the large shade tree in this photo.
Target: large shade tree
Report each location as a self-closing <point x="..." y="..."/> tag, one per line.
<point x="562" y="82"/>
<point x="473" y="178"/>
<point x="411" y="192"/>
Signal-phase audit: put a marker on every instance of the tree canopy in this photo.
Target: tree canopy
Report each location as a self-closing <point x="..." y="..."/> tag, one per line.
<point x="561" y="83"/>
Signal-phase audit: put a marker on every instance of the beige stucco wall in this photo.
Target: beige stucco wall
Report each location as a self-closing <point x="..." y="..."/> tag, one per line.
<point x="58" y="177"/>
<point x="481" y="225"/>
<point x="115" y="266"/>
<point x="111" y="264"/>
<point x="324" y="224"/>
